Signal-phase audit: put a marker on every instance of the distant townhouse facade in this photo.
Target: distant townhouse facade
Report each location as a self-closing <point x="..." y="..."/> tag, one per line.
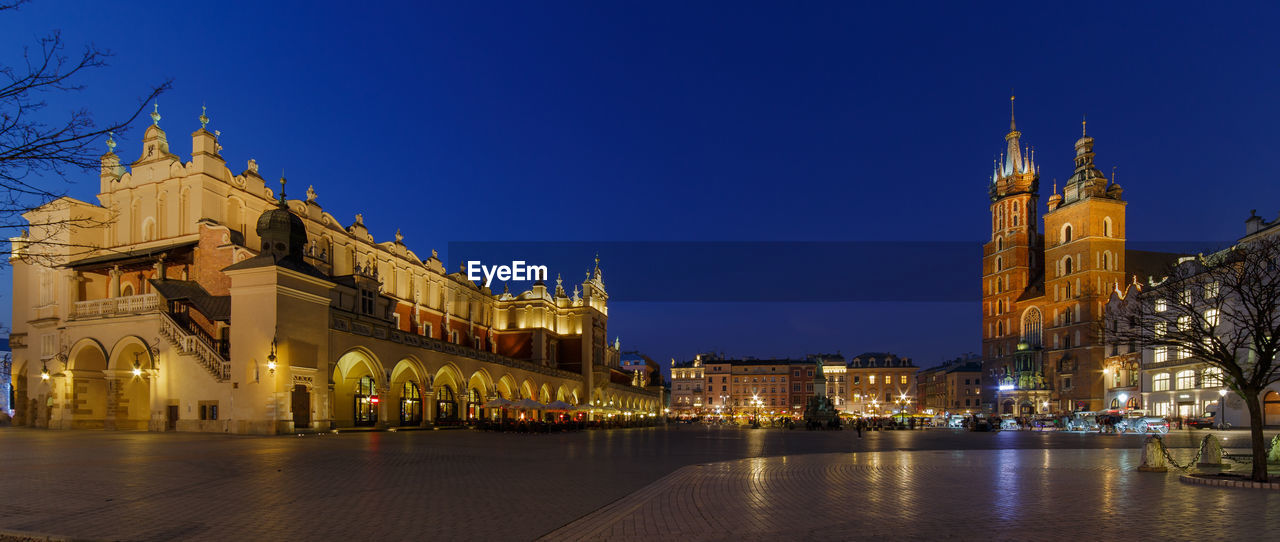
<point x="880" y="383"/>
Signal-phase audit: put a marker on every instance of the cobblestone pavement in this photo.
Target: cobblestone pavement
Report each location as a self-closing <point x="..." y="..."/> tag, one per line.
<point x="486" y="486"/>
<point x="959" y="495"/>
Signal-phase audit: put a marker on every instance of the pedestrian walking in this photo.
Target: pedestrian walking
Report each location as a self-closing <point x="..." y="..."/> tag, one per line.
<point x="858" y="424"/>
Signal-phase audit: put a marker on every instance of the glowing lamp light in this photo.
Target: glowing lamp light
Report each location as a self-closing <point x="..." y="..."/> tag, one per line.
<point x="1005" y="387"/>
<point x="271" y="357"/>
<point x="374" y="399"/>
<point x="44" y="373"/>
<point x="1222" y="393"/>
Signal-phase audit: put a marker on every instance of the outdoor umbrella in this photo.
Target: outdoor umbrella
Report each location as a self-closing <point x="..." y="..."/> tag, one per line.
<point x="529" y="404"/>
<point x="498" y="403"/>
<point x="559" y="405"/>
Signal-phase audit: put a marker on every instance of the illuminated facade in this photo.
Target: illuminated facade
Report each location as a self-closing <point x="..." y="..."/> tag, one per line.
<point x="688" y="388"/>
<point x="1044" y="290"/>
<point x="195" y="299"/>
<point x="880" y="384"/>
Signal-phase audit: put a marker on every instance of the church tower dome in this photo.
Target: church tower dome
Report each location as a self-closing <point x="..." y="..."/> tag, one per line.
<point x="283" y="234"/>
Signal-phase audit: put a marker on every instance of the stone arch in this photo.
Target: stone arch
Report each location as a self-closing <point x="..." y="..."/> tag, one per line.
<point x="129" y="385"/>
<point x="409" y="387"/>
<point x="577" y="397"/>
<point x="527" y="389"/>
<point x="544" y="394"/>
<point x="86" y="365"/>
<point x="479" y="389"/>
<point x="77" y="351"/>
<point x="562" y="393"/>
<point x="507" y="388"/>
<point x="449" y="393"/>
<point x="352" y="398"/>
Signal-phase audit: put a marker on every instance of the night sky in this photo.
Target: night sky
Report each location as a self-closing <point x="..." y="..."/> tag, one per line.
<point x="615" y="122"/>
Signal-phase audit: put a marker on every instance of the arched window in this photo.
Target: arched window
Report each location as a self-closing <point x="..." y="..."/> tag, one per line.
<point x="1066" y="233"/>
<point x="1106" y="260"/>
<point x="1185" y="380"/>
<point x="126" y="290"/>
<point x="148" y="229"/>
<point x="1115" y="403"/>
<point x="1133" y="403"/>
<point x="1067" y="266"/>
<point x="1032" y="326"/>
<point x="999" y="243"/>
<point x="999" y="264"/>
<point x="1106" y="226"/>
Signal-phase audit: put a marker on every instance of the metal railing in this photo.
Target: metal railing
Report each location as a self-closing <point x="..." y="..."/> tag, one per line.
<point x="116" y="306"/>
<point x="189" y="344"/>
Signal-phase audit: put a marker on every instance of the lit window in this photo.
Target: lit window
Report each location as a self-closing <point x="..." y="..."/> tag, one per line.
<point x="1161" y="354"/>
<point x="871" y="379"/>
<point x="1160" y="382"/>
<point x="902" y="379"/>
<point x="1211" y="316"/>
<point x="1161" y="305"/>
<point x="1161" y="329"/>
<point x="1184" y="297"/>
<point x="1185" y="380"/>
<point x="1184" y="322"/>
<point x="1211" y="290"/>
<point x="1212" y="378"/>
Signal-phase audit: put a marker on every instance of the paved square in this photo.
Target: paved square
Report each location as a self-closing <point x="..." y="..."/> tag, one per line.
<point x="489" y="486"/>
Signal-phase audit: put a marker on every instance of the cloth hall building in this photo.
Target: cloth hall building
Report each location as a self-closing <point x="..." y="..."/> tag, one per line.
<point x="206" y="302"/>
<point x="1046" y="276"/>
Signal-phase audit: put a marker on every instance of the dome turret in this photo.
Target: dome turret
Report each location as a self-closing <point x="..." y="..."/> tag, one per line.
<point x="283" y="234"/>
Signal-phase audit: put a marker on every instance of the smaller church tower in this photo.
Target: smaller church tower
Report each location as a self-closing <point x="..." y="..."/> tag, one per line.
<point x="1084" y="257"/>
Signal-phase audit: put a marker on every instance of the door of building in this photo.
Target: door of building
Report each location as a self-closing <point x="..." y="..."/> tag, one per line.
<point x="301" y="407"/>
<point x="171" y="421"/>
<point x="366" y="402"/>
<point x="1186" y="410"/>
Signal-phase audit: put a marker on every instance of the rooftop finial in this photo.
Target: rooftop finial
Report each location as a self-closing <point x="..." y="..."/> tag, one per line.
<point x="282" y="183"/>
<point x="1013" y="126"/>
<point x="204" y="118"/>
<point x="155" y="114"/>
<point x="1055" y="186"/>
<point x="1084" y="123"/>
<point x="111" y="142"/>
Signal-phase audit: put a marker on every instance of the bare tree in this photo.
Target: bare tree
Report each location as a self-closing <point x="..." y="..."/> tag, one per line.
<point x="1223" y="310"/>
<point x="37" y="154"/>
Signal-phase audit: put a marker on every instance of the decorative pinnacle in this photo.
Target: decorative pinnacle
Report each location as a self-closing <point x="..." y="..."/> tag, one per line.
<point x="111" y="142"/>
<point x="1084" y="122"/>
<point x="282" y="183"/>
<point x="1013" y="126"/>
<point x="204" y="119"/>
<point x="155" y="114"/>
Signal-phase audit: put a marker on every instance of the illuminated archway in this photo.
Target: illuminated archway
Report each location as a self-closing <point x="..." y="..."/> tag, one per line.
<point x="356" y="398"/>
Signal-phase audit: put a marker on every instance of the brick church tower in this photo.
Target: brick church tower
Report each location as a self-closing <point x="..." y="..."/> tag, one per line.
<point x="1013" y="258"/>
<point x="1085" y="259"/>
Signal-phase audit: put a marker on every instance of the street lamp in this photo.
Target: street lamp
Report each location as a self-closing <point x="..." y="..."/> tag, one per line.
<point x="271" y="357"/>
<point x="1222" y="410"/>
<point x="44" y="372"/>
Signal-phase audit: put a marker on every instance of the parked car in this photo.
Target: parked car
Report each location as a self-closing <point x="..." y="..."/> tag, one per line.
<point x="1208" y="421"/>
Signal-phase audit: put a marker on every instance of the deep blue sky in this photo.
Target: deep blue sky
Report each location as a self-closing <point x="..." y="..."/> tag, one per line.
<point x="611" y="121"/>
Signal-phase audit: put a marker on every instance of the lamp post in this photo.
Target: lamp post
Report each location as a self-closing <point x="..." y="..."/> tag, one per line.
<point x="1222" y="408"/>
